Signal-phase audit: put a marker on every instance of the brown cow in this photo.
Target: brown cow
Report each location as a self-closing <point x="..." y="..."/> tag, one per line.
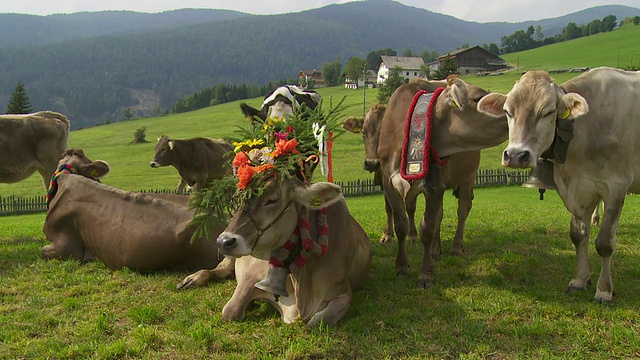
<point x="588" y="129"/>
<point x="89" y="220"/>
<point x="31" y="142"/>
<point x="459" y="174"/>
<point x="198" y="160"/>
<point x="318" y="291"/>
<point x="454" y="112"/>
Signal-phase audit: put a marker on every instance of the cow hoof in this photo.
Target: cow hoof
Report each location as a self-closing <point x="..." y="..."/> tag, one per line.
<point x="456" y="252"/>
<point x="413" y="238"/>
<point x="603" y="297"/>
<point x="402" y="271"/>
<point x="425" y="283"/>
<point x="574" y="289"/>
<point x="386" y="239"/>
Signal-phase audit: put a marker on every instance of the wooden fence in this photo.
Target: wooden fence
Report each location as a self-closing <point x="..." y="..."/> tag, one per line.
<point x="13" y="205"/>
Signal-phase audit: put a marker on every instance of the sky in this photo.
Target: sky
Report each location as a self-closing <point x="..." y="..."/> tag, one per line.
<point x="469" y="10"/>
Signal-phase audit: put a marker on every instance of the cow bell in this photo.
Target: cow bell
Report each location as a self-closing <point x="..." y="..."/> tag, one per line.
<point x="433" y="180"/>
<point x="275" y="282"/>
<point x="541" y="176"/>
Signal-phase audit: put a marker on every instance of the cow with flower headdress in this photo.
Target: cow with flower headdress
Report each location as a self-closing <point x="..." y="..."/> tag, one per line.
<point x="296" y="244"/>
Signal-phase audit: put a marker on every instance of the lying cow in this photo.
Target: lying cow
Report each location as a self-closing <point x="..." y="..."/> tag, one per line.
<point x="595" y="117"/>
<point x="453" y="109"/>
<point x="282" y="101"/>
<point x="198" y="160"/>
<point x="88" y="220"/>
<point x="30" y="143"/>
<point x="320" y="290"/>
<point x="459" y="174"/>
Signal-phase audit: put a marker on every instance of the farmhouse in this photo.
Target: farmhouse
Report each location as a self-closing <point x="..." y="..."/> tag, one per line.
<point x="411" y="67"/>
<point x="369" y="80"/>
<point x="311" y="76"/>
<point x="474" y="60"/>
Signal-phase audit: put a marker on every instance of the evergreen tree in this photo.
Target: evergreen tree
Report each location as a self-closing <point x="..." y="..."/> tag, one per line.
<point x="447" y="68"/>
<point x="19" y="103"/>
<point x="393" y="81"/>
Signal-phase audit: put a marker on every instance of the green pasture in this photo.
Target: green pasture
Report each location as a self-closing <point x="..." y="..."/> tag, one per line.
<point x="504" y="299"/>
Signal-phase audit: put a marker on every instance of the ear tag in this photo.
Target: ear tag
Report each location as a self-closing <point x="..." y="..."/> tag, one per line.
<point x="565" y="114"/>
<point x="454" y="105"/>
<point x="315" y="202"/>
<point x="170" y="145"/>
<point x="94" y="173"/>
<point x="357" y="129"/>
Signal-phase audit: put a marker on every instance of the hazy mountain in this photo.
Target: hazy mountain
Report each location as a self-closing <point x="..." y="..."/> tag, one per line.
<point x="109" y="60"/>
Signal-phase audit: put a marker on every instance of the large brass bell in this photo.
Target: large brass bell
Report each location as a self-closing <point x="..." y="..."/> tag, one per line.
<point x="275" y="282"/>
<point x="541" y="176"/>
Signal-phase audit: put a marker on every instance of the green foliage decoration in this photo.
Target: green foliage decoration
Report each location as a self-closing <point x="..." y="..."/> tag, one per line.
<point x="274" y="148"/>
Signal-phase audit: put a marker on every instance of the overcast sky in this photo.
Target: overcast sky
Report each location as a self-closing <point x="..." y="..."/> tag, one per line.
<point x="470" y="10"/>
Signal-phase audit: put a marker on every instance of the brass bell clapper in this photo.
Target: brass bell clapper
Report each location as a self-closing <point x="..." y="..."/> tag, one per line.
<point x="275" y="282"/>
<point x="541" y="178"/>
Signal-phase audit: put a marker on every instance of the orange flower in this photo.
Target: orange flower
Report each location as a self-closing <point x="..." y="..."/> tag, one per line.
<point x="240" y="159"/>
<point x="284" y="147"/>
<point x="246" y="173"/>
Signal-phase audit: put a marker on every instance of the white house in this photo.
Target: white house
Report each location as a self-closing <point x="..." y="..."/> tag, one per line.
<point x="410" y="66"/>
<point x="371" y="79"/>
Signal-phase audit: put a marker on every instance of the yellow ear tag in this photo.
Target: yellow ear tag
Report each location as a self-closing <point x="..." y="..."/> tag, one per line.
<point x="357" y="129"/>
<point x="565" y="114"/>
<point x="94" y="173"/>
<point x="454" y="105"/>
<point x="315" y="201"/>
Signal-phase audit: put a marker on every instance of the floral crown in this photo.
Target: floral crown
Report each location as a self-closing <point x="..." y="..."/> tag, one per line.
<point x="280" y="148"/>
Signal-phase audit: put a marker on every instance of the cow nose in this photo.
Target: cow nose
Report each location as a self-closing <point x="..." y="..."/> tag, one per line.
<point x="226" y="243"/>
<point x="371" y="165"/>
<point x="153" y="164"/>
<point x="516" y="158"/>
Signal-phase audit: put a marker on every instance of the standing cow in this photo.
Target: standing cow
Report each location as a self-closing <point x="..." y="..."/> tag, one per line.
<point x="320" y="290"/>
<point x="589" y="129"/>
<point x="88" y="220"/>
<point x="198" y="160"/>
<point x="31" y="142"/>
<point x="459" y="174"/>
<point x="281" y="102"/>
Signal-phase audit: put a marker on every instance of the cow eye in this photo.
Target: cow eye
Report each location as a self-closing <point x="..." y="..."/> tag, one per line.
<point x="549" y="113"/>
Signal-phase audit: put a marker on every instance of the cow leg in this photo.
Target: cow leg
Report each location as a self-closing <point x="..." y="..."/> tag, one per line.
<point x="579" y="234"/>
<point x="465" y="202"/>
<point x="411" y="202"/>
<point x="606" y="242"/>
<point x="248" y="272"/>
<point x="224" y="270"/>
<point x="387" y="233"/>
<point x="65" y="246"/>
<point x="181" y="186"/>
<point x="335" y="310"/>
<point x="428" y="229"/>
<point x="400" y="224"/>
<point x="46" y="177"/>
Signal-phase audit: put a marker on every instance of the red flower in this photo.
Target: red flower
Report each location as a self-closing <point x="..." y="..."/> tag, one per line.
<point x="246" y="172"/>
<point x="284" y="147"/>
<point x="240" y="159"/>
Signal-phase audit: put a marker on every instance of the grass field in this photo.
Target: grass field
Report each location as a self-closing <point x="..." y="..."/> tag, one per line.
<point x="504" y="299"/>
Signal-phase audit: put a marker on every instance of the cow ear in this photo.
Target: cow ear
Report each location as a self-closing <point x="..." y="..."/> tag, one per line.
<point x="318" y="195"/>
<point x="96" y="169"/>
<point x="574" y="106"/>
<point x="171" y="144"/>
<point x="492" y="104"/>
<point x="458" y="92"/>
<point x="353" y="125"/>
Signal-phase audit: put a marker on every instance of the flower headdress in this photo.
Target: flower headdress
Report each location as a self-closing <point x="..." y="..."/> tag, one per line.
<point x="279" y="148"/>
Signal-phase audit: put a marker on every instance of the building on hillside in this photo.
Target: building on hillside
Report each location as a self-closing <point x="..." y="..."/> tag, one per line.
<point x="315" y="76"/>
<point x="474" y="60"/>
<point x="410" y="67"/>
<point x="370" y="80"/>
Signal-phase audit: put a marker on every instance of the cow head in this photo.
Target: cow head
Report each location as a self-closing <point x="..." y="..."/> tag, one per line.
<point x="164" y="152"/>
<point x="370" y="128"/>
<point x="281" y="102"/>
<point x="459" y="126"/>
<point x="83" y="165"/>
<point x="265" y="222"/>
<point x="532" y="108"/>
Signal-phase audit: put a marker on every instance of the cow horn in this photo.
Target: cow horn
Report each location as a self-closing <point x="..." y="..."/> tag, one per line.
<point x="275" y="282"/>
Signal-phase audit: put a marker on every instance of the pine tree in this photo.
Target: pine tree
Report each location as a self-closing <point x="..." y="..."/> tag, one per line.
<point x="19" y="103"/>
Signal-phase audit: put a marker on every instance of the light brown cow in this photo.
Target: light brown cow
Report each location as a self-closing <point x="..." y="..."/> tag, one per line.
<point x="319" y="291"/>
<point x="198" y="160"/>
<point x="88" y="220"/>
<point x="31" y="142"/>
<point x="457" y="127"/>
<point x="459" y="174"/>
<point x="597" y="113"/>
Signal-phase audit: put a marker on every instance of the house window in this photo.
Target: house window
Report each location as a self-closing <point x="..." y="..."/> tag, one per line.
<point x="407" y="73"/>
<point x="415" y="73"/>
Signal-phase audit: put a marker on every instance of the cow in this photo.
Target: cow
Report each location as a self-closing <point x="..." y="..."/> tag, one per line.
<point x="87" y="220"/>
<point x="281" y="102"/>
<point x="457" y="127"/>
<point x="458" y="174"/>
<point x="320" y="290"/>
<point x="198" y="160"/>
<point x="588" y="129"/>
<point x="30" y="143"/>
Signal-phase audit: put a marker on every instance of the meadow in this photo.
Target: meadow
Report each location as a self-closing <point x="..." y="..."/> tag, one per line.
<point x="503" y="299"/>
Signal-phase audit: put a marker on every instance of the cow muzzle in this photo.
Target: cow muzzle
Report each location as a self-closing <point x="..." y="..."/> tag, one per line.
<point x="371" y="165"/>
<point x="154" y="164"/>
<point x="232" y="245"/>
<point x="518" y="158"/>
